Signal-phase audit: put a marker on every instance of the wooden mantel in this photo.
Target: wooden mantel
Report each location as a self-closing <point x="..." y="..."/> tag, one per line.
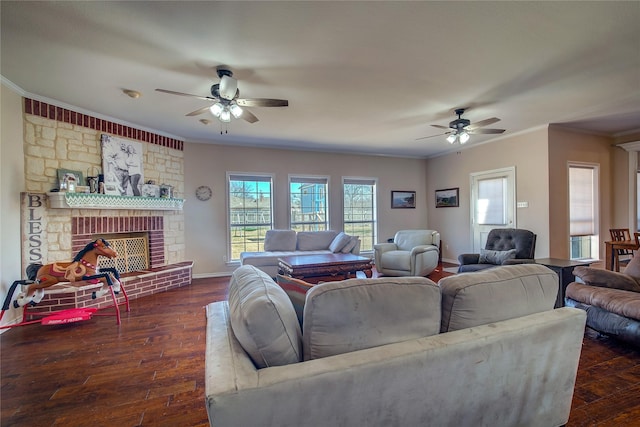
<point x="66" y="200"/>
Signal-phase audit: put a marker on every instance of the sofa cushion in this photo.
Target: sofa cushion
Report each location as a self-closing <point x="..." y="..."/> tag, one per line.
<point x="339" y="242"/>
<point x="296" y="290"/>
<point x="263" y="318"/>
<point x="354" y="314"/>
<point x="315" y="240"/>
<point x="496" y="294"/>
<point x="488" y="256"/>
<point x="606" y="278"/>
<point x="353" y="241"/>
<point x="622" y="303"/>
<point x="633" y="267"/>
<point x="280" y="240"/>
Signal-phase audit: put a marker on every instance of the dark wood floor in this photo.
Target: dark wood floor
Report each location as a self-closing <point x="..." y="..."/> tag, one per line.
<point x="149" y="371"/>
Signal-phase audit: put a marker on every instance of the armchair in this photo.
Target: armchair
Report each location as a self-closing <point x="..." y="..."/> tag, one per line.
<point x="412" y="253"/>
<point x="504" y="246"/>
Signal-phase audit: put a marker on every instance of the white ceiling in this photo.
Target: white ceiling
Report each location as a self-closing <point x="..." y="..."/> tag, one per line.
<point x="367" y="77"/>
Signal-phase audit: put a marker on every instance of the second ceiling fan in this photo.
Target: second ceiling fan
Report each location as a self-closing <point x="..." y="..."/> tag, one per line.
<point x="226" y="100"/>
<point x="460" y="129"/>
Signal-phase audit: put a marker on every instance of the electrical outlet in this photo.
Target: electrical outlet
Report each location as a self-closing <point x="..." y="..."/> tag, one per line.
<point x="224" y="258"/>
<point x="523" y="204"/>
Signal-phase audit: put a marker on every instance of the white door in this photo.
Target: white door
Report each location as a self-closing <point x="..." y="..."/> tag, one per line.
<point x="493" y="203"/>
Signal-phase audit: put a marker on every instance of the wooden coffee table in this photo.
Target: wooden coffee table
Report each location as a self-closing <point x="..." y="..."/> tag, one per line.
<point x="324" y="267"/>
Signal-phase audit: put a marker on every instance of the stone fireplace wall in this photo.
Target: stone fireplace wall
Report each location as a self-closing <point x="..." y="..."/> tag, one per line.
<point x="56" y="138"/>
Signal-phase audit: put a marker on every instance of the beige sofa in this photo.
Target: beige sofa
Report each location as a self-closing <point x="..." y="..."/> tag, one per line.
<point x="482" y="349"/>
<point x="278" y="243"/>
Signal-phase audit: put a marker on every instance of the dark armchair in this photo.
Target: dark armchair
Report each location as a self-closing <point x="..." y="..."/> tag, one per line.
<point x="504" y="246"/>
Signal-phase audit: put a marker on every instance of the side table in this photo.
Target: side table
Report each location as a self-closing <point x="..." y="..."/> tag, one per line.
<point x="564" y="270"/>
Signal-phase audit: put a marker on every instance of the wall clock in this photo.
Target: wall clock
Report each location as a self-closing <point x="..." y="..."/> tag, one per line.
<point x="204" y="192"/>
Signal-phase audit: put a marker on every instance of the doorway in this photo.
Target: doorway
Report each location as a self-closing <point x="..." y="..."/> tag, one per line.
<point x="492" y="203"/>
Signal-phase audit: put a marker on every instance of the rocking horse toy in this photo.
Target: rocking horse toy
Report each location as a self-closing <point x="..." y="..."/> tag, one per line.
<point x="84" y="267"/>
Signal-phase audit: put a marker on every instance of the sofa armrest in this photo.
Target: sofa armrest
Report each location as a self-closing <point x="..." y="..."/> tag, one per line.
<point x="464" y="259"/>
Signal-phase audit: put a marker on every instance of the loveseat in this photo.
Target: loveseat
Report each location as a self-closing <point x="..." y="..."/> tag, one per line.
<point x="278" y="243"/>
<point x="483" y="349"/>
<point x="611" y="299"/>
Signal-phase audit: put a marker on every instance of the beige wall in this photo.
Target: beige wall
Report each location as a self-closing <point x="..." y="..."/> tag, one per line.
<point x="207" y="164"/>
<point x="11" y="184"/>
<point x="569" y="146"/>
<point x="527" y="152"/>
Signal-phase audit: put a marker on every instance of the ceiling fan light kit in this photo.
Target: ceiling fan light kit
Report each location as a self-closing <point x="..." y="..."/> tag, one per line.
<point x="226" y="100"/>
<point x="462" y="129"/>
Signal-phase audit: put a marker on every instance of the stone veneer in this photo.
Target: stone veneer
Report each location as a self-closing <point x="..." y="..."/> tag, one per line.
<point x="58" y="138"/>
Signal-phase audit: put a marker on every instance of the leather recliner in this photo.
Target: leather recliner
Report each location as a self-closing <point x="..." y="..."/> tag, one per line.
<point x="504" y="246"/>
<point x="412" y="253"/>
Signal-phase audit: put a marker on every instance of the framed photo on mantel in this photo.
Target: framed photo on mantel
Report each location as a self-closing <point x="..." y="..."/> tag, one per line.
<point x="403" y="200"/>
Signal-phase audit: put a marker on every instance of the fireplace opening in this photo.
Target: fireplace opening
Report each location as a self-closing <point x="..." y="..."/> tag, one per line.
<point x="133" y="252"/>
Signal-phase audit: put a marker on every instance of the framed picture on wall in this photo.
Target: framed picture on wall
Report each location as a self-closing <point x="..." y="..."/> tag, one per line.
<point x="447" y="198"/>
<point x="122" y="166"/>
<point x="403" y="200"/>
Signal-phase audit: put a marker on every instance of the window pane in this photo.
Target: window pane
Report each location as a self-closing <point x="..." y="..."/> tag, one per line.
<point x="583" y="212"/>
<point x="491" y="198"/>
<point x="250" y="213"/>
<point x="308" y="200"/>
<point x="359" y="213"/>
<point x="581" y="206"/>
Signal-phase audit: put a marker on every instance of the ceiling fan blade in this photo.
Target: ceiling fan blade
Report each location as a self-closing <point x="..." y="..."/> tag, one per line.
<point x="440" y="127"/>
<point x="485" y="131"/>
<point x="262" y="102"/>
<point x="171" y="92"/>
<point x="432" y="136"/>
<point x="482" y="123"/>
<point x="199" y="111"/>
<point x="248" y="116"/>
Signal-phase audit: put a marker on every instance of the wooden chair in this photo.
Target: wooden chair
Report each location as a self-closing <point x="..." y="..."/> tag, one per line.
<point x="623" y="256"/>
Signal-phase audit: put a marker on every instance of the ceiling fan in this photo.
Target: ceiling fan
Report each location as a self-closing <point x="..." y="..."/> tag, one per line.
<point x="226" y="100"/>
<point x="462" y="128"/>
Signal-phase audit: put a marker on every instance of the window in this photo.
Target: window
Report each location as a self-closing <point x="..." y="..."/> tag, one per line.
<point x="359" y="210"/>
<point x="308" y="202"/>
<point x="250" y="212"/>
<point x="583" y="202"/>
<point x="491" y="201"/>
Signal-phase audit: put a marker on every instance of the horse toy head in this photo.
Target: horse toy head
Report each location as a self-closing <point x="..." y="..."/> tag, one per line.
<point x="100" y="246"/>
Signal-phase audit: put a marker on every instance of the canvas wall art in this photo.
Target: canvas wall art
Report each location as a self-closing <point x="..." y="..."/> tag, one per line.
<point x="122" y="166"/>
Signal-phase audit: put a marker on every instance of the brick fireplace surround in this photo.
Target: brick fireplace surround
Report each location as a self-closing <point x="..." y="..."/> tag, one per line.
<point x="158" y="278"/>
<point x="76" y="137"/>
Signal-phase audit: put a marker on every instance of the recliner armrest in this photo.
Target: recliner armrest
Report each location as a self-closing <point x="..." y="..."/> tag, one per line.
<point x="423" y="248"/>
<point x="464" y="259"/>
<point x="385" y="247"/>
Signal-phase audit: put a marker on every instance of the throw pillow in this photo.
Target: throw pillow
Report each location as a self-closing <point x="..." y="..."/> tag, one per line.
<point x="339" y="242"/>
<point x="606" y="278"/>
<point x="496" y="257"/>
<point x="296" y="290"/>
<point x="633" y="268"/>
<point x="353" y="241"/>
<point x="280" y="240"/>
<point x="263" y="319"/>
